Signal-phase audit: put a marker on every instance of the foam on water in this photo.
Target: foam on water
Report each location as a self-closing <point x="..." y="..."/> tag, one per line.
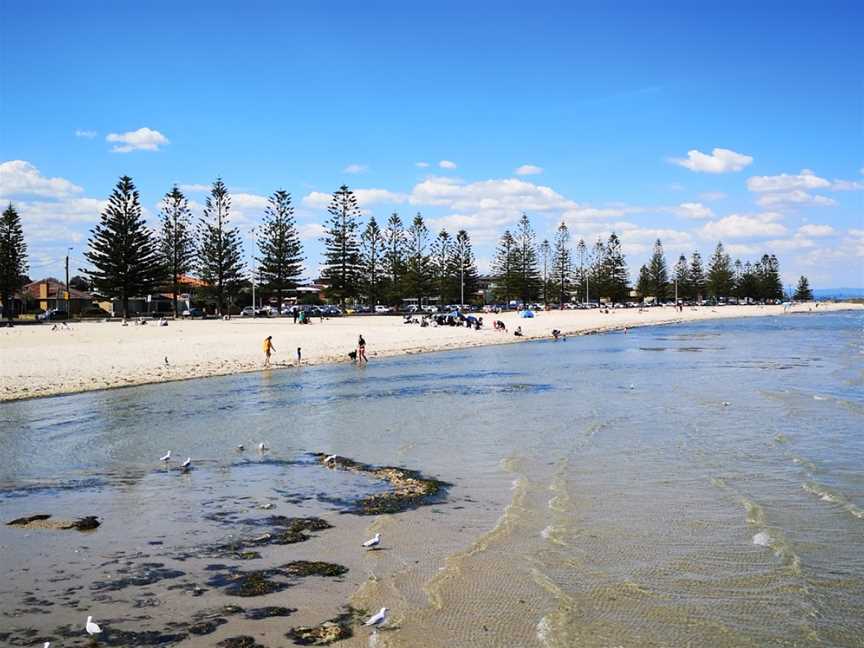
<point x="763" y="539"/>
<point x="833" y="497"/>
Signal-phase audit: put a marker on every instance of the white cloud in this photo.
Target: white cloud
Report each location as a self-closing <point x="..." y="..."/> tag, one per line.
<point x="143" y="139"/>
<point x="785" y="182"/>
<point x="811" y="229"/>
<point x="719" y="161"/>
<point x="694" y="211"/>
<point x="741" y="249"/>
<point x="447" y="164"/>
<point x="86" y="134"/>
<point x="712" y="196"/>
<point x="511" y="195"/>
<point x="355" y="168"/>
<point x="795" y="197"/>
<point x="66" y="211"/>
<point x="18" y="178"/>
<point x="738" y="226"/>
<point x="422" y="165"/>
<point x="792" y="244"/>
<point x="310" y="231"/>
<point x="317" y="200"/>
<point x="847" y="185"/>
<point x="528" y="169"/>
<point x="195" y="188"/>
<point x="365" y="197"/>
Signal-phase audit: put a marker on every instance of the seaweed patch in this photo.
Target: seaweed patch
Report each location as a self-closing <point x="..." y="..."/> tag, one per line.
<point x="410" y="488"/>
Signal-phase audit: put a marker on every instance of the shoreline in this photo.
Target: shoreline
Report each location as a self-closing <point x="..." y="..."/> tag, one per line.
<point x="59" y="363"/>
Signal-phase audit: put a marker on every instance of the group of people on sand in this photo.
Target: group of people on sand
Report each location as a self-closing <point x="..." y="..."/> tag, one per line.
<point x="357" y="356"/>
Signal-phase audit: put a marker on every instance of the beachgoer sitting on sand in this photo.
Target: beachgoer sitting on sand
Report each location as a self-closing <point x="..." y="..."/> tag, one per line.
<point x="556" y="333"/>
<point x="518" y="331"/>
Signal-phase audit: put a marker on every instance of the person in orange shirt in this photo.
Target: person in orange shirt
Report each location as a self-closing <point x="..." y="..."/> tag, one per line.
<point x="268" y="349"/>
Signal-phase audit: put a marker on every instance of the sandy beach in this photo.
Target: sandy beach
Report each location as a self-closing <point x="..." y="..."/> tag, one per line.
<point x="37" y="361"/>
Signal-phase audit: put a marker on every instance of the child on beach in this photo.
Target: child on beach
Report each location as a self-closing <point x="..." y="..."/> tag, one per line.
<point x="268" y="349"/>
<point x="361" y="350"/>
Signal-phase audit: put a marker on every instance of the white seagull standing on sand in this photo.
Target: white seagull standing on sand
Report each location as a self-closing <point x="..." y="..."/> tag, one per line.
<point x="329" y="458"/>
<point x="379" y="619"/>
<point x="166" y="458"/>
<point x="186" y="464"/>
<point x="373" y="542"/>
<point x="92" y="628"/>
<point x="241" y="447"/>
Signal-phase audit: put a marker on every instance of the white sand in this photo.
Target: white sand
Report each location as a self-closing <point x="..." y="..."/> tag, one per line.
<point x="35" y="361"/>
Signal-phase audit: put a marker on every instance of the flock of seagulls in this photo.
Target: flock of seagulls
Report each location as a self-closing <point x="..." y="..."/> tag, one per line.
<point x="375" y="621"/>
<point x="186" y="466"/>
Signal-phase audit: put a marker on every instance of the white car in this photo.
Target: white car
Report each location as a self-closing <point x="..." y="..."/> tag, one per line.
<point x="383" y="310"/>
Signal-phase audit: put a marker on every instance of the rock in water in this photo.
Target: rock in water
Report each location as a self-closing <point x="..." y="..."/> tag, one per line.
<point x="86" y="523"/>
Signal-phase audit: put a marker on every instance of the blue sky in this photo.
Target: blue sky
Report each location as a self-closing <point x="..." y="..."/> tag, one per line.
<point x="689" y="123"/>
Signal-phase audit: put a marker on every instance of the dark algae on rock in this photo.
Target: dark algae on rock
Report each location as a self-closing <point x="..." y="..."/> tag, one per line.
<point x="44" y="521"/>
<point x="325" y="633"/>
<point x="242" y="641"/>
<point x="409" y="488"/>
<point x="302" y="568"/>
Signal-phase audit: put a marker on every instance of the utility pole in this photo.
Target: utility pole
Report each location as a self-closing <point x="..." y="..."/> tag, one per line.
<point x="254" y="313"/>
<point x="462" y="278"/>
<point x="68" y="301"/>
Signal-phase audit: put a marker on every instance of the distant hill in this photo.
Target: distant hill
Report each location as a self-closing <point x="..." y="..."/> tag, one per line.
<point x="838" y="293"/>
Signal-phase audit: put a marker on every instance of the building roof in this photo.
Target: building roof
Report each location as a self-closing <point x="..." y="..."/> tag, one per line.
<point x="55" y="287"/>
<point x="194" y="282"/>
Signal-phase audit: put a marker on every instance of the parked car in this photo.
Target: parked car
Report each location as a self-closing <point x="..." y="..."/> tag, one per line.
<point x="192" y="312"/>
<point x="332" y="311"/>
<point x="247" y="312"/>
<point x="53" y="314"/>
<point x="380" y="309"/>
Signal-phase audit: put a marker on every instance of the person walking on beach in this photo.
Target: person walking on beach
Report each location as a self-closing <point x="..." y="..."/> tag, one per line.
<point x="299" y="356"/>
<point x="268" y="349"/>
<point x="361" y="350"/>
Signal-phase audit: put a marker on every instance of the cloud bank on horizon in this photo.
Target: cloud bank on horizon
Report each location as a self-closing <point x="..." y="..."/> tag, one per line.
<point x="56" y="214"/>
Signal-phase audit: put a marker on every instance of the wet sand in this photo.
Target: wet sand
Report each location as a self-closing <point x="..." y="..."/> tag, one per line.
<point x="37" y="361"/>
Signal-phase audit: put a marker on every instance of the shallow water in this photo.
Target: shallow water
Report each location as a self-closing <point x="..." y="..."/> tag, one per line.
<point x="675" y="486"/>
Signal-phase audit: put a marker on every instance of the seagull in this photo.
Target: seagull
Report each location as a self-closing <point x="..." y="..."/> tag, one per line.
<point x="262" y="447"/>
<point x="166" y="458"/>
<point x="241" y="447"/>
<point x="92" y="628"/>
<point x="186" y="464"/>
<point x="379" y="619"/>
<point x="726" y="403"/>
<point x="329" y="458"/>
<point x="373" y="542"/>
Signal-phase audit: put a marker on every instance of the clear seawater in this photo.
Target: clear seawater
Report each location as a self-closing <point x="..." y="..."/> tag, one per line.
<point x="688" y="485"/>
